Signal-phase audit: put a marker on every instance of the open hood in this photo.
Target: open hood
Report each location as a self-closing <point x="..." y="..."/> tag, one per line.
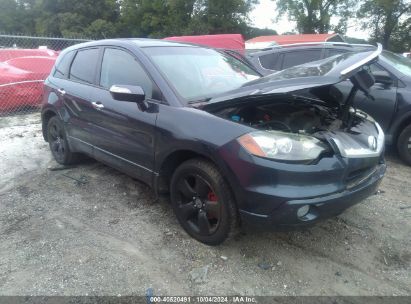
<point x="304" y="101"/>
<point x="320" y="73"/>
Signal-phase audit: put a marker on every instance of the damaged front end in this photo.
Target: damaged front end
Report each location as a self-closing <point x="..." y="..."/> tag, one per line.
<point x="301" y="128"/>
<point x="300" y="115"/>
<point x="308" y="153"/>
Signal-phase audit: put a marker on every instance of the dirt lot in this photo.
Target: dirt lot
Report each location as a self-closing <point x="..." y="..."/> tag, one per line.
<point x="91" y="230"/>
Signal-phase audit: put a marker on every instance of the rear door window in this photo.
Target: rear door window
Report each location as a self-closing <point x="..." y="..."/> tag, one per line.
<point x="294" y="58"/>
<point x="84" y="66"/>
<point x="121" y="68"/>
<point x="63" y="66"/>
<point x="270" y="61"/>
<point x="333" y="52"/>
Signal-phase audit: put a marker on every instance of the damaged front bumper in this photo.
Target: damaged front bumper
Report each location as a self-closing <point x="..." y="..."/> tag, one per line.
<point x="288" y="215"/>
<point x="278" y="195"/>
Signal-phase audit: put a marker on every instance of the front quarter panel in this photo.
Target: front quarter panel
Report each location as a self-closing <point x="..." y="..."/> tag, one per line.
<point x="50" y="105"/>
<point x="190" y="129"/>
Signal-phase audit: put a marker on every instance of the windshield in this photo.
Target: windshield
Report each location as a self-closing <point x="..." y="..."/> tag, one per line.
<point x="199" y="73"/>
<point x="401" y="63"/>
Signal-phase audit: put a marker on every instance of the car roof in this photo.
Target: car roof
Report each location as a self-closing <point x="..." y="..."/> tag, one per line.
<point x="139" y="42"/>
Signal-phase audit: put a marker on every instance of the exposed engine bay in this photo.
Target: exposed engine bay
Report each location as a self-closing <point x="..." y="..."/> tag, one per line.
<point x="290" y="113"/>
<point x="306" y="111"/>
<point x="305" y="121"/>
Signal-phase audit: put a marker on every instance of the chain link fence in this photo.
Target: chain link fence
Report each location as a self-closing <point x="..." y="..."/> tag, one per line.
<point x="25" y="62"/>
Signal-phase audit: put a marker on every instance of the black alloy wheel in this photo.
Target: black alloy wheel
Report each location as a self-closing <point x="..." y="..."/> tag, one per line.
<point x="59" y="147"/>
<point x="202" y="202"/>
<point x="198" y="204"/>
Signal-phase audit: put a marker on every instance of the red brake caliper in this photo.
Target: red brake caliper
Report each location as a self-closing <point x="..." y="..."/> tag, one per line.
<point x="211" y="197"/>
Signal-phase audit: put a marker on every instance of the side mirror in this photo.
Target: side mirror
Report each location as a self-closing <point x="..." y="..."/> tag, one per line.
<point x="383" y="77"/>
<point x="128" y="93"/>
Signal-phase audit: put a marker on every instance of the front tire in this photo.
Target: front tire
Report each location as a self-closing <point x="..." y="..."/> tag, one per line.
<point x="404" y="145"/>
<point x="203" y="202"/>
<point x="57" y="139"/>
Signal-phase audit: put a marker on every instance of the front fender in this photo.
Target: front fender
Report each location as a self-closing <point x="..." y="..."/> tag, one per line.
<point x="401" y="120"/>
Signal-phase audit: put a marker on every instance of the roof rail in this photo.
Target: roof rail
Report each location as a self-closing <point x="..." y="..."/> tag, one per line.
<point x="362" y="44"/>
<point x="303" y="44"/>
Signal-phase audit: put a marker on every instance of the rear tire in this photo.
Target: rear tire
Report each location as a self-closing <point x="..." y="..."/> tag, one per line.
<point x="203" y="202"/>
<point x="404" y="145"/>
<point x="57" y="139"/>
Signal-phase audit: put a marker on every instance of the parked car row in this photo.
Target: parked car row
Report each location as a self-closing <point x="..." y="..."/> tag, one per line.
<point x="22" y="73"/>
<point x="231" y="146"/>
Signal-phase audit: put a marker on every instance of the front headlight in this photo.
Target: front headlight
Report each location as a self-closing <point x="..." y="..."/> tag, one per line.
<point x="282" y="146"/>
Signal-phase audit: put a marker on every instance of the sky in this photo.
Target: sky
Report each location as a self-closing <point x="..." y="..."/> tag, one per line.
<point x="264" y="13"/>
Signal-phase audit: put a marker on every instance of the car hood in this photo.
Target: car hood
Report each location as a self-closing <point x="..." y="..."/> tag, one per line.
<point x="320" y="73"/>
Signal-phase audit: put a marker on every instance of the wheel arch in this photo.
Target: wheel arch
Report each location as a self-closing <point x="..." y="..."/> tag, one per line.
<point x="175" y="158"/>
<point x="171" y="162"/>
<point x="399" y="127"/>
<point x="46" y="115"/>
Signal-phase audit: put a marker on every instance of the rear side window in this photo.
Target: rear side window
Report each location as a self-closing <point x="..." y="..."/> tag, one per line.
<point x="333" y="52"/>
<point x="121" y="68"/>
<point x="300" y="57"/>
<point x="84" y="66"/>
<point x="63" y="66"/>
<point x="376" y="68"/>
<point x="270" y="61"/>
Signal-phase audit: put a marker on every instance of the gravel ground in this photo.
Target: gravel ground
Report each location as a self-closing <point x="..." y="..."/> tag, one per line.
<point x="90" y="230"/>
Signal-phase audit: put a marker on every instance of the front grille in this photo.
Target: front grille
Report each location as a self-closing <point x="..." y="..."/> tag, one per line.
<point x="357" y="177"/>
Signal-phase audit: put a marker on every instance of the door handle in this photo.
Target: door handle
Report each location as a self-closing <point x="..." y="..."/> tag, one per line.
<point x="61" y="91"/>
<point x="97" y="105"/>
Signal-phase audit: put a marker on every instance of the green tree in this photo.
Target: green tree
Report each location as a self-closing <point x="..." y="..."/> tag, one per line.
<point x="160" y="18"/>
<point x="101" y="29"/>
<point x="125" y="18"/>
<point x="73" y="18"/>
<point x="255" y="32"/>
<point x="16" y="17"/>
<point x="144" y="18"/>
<point x="386" y="19"/>
<point x="8" y="15"/>
<point x="401" y="38"/>
<point x="219" y="17"/>
<point x="180" y="17"/>
<point x="314" y="16"/>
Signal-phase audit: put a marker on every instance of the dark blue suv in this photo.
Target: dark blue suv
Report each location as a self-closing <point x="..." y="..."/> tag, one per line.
<point x="229" y="146"/>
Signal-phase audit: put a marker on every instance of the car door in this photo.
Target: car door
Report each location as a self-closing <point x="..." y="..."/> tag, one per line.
<point x="76" y="93"/>
<point x="124" y="134"/>
<point x="382" y="106"/>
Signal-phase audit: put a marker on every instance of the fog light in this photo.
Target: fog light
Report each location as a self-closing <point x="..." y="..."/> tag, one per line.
<point x="303" y="211"/>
